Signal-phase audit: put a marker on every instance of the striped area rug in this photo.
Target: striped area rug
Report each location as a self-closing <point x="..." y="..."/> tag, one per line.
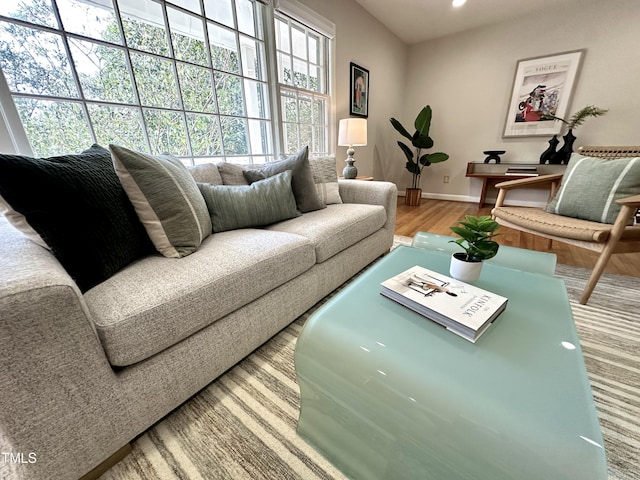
<point x="242" y="426"/>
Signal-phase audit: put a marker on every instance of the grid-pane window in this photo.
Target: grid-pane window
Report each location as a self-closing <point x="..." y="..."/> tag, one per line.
<point x="150" y="75"/>
<point x="302" y="56"/>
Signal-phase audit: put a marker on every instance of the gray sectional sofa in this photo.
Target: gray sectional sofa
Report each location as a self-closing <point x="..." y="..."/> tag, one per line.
<point x="82" y="374"/>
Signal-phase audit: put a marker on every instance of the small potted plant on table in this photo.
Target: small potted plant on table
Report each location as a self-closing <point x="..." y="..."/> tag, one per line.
<point x="476" y="239"/>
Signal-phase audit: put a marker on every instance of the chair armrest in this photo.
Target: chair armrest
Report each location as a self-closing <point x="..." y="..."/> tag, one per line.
<point x="552" y="180"/>
<point x="633" y="201"/>
<point x="525" y="182"/>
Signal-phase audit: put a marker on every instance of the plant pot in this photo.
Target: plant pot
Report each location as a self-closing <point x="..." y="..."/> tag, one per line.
<point x="563" y="155"/>
<point x="413" y="196"/>
<point x="464" y="270"/>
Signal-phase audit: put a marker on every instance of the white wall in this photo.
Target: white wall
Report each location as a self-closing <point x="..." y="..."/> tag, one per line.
<point x="361" y="39"/>
<point x="467" y="79"/>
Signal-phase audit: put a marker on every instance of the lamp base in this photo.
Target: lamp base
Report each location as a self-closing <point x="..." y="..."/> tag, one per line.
<point x="350" y="171"/>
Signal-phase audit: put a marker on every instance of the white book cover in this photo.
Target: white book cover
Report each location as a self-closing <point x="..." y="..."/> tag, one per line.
<point x="462" y="308"/>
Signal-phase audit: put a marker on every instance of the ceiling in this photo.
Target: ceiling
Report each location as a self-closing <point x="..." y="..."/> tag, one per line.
<point x="415" y="21"/>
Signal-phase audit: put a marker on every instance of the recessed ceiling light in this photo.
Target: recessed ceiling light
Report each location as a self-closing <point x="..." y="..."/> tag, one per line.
<point x="459" y="3"/>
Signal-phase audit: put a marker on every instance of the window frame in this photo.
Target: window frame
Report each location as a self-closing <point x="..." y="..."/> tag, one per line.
<point x="324" y="62"/>
<point x="13" y="137"/>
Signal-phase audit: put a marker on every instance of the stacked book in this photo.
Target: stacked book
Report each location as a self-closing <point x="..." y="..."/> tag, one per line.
<point x="522" y="171"/>
<point x="464" y="309"/>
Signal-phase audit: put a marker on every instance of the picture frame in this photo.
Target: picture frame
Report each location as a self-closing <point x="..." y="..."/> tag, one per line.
<point x="541" y="85"/>
<point x="359" y="88"/>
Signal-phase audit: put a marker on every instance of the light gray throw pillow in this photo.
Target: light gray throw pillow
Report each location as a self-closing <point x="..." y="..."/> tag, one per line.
<point x="241" y="206"/>
<point x="326" y="179"/>
<point x="206" y="173"/>
<point x="304" y="188"/>
<point x="590" y="187"/>
<point x="232" y="173"/>
<point x="166" y="198"/>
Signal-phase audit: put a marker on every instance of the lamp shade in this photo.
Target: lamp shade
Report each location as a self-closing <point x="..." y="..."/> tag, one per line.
<point x="352" y="131"/>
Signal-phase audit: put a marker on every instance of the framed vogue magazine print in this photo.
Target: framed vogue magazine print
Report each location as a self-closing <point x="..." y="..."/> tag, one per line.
<point x="541" y="86"/>
<point x="359" y="96"/>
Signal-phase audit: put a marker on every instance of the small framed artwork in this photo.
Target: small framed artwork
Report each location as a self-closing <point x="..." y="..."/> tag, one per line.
<point x="541" y="86"/>
<point x="359" y="96"/>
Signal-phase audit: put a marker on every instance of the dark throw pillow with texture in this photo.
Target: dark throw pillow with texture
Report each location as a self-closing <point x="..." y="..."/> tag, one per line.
<point x="77" y="206"/>
<point x="241" y="206"/>
<point x="304" y="188"/>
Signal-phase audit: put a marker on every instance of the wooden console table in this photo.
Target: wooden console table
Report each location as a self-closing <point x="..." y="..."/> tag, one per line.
<point x="494" y="173"/>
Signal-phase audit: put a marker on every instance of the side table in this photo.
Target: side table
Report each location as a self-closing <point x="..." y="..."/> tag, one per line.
<point x="359" y="177"/>
<point x="492" y="174"/>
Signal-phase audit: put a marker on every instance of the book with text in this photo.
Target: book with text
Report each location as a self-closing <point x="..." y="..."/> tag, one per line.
<point x="464" y="309"/>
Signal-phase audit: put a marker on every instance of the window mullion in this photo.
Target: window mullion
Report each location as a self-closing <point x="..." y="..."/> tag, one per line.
<point x="273" y="87"/>
<point x="74" y="72"/>
<point x="13" y="136"/>
<point x="134" y="82"/>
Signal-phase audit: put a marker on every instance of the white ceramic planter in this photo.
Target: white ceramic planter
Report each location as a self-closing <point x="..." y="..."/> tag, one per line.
<point x="463" y="270"/>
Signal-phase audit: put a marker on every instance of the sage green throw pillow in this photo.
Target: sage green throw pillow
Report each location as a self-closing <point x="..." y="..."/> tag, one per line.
<point x="241" y="206"/>
<point x="591" y="186"/>
<point x="304" y="188"/>
<point x="166" y="198"/>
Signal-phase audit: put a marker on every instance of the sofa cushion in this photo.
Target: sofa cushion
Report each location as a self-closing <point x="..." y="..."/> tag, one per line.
<point x="75" y="206"/>
<point x="166" y="198"/>
<point x="336" y="227"/>
<point x="304" y="189"/>
<point x="240" y="206"/>
<point x="157" y="301"/>
<point x="591" y="186"/>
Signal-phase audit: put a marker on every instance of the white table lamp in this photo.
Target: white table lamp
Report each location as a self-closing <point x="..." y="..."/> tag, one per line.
<point x="352" y="132"/>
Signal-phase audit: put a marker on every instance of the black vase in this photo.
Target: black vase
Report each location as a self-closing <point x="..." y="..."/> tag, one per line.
<point x="563" y="155"/>
<point x="549" y="152"/>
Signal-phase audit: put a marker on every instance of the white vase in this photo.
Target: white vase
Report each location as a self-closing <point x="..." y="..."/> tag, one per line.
<point x="463" y="270"/>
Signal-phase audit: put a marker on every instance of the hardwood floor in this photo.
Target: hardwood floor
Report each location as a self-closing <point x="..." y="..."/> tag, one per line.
<point x="436" y="216"/>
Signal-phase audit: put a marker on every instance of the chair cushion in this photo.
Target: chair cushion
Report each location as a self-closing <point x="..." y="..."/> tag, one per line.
<point x="240" y="206"/>
<point x="156" y="302"/>
<point x="75" y="206"/>
<point x="591" y="186"/>
<point x="325" y="178"/>
<point x="166" y="199"/>
<point x="304" y="189"/>
<point x="336" y="227"/>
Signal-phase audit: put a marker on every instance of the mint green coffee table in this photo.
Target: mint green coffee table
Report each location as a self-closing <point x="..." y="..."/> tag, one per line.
<point x="388" y="394"/>
<point x="511" y="257"/>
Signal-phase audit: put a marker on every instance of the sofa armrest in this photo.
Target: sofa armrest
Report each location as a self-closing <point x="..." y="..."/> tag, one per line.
<point x="57" y="396"/>
<point x="372" y="193"/>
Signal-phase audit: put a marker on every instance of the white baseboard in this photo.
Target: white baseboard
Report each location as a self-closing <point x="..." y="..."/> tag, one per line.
<point x="470" y="199"/>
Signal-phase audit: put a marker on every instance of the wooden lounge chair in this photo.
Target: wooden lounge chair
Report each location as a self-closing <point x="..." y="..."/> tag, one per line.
<point x="619" y="237"/>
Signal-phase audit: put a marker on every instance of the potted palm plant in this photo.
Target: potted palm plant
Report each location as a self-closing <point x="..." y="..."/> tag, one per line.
<point x="476" y="234"/>
<point x="416" y="160"/>
<point x="564" y="154"/>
